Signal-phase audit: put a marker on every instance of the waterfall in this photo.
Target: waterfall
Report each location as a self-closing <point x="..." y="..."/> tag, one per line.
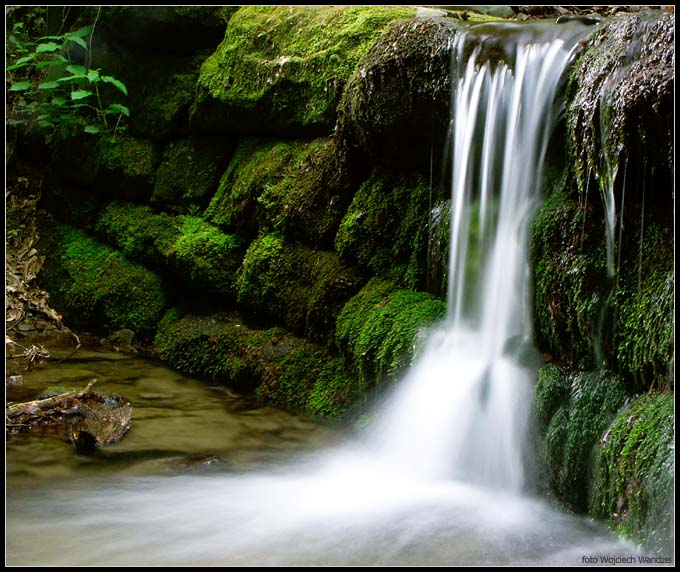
<point x="462" y="411"/>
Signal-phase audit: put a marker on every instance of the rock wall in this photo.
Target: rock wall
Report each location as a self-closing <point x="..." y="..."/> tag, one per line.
<point x="273" y="220"/>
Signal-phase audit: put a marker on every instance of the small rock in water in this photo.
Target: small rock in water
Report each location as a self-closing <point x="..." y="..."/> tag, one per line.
<point x="15" y="380"/>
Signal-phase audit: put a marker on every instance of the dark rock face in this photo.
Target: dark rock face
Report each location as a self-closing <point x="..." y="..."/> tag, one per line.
<point x="395" y="107"/>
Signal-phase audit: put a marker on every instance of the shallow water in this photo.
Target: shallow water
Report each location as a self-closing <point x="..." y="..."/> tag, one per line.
<point x="207" y="478"/>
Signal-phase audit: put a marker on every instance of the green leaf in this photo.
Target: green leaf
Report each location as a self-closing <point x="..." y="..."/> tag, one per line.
<point x="58" y="101"/>
<point x="93" y="75"/>
<point x="81" y="32"/>
<point x="71" y="78"/>
<point x="80" y="94"/>
<point x="48" y="85"/>
<point x="20" y="86"/>
<point x="76" y="70"/>
<point x="113" y="81"/>
<point x="117" y="108"/>
<point x="50" y="63"/>
<point x="76" y="40"/>
<point x="47" y="48"/>
<point x="92" y="129"/>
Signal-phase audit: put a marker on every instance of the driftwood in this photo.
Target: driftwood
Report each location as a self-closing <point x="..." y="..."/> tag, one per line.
<point x="91" y="419"/>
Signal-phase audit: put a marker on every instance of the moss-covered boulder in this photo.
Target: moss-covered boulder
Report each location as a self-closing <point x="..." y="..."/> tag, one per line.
<point x="278" y="367"/>
<point x="185" y="247"/>
<point x="302" y="288"/>
<point x="395" y="107"/>
<point x="621" y="103"/>
<point x="298" y="187"/>
<point x="634" y="479"/>
<point x="386" y="228"/>
<point x="127" y="168"/>
<point x="573" y="410"/>
<point x="173" y="29"/>
<point x="95" y="287"/>
<point x="380" y="329"/>
<point x="189" y="172"/>
<point x="281" y="69"/>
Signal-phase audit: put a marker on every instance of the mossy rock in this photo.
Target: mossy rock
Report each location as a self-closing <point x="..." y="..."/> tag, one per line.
<point x="127" y="168"/>
<point x="189" y="172"/>
<point x="634" y="480"/>
<point x="572" y="288"/>
<point x="302" y="288"/>
<point x="186" y="247"/>
<point x="381" y="328"/>
<point x="395" y="107"/>
<point x="386" y="228"/>
<point x="173" y="29"/>
<point x="277" y="366"/>
<point x="574" y="410"/>
<point x="95" y="287"/>
<point x="281" y="69"/>
<point x="298" y="187"/>
<point x="621" y="99"/>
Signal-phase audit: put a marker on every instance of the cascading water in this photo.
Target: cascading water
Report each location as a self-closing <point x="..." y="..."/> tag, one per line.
<point x="437" y="479"/>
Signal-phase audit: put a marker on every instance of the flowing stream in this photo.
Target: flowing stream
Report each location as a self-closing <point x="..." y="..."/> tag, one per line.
<point x="439" y="478"/>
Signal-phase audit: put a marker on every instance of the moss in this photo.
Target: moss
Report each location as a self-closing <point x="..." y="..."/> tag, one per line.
<point x="280" y="368"/>
<point x="187" y="247"/>
<point x="189" y="172"/>
<point x="128" y="168"/>
<point x="571" y="285"/>
<point x="95" y="287"/>
<point x="385" y="229"/>
<point x="379" y="328"/>
<point x="281" y="69"/>
<point x="574" y="410"/>
<point x="302" y="288"/>
<point x="634" y="480"/>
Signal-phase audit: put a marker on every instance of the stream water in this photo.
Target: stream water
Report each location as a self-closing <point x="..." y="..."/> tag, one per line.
<point x="438" y="478"/>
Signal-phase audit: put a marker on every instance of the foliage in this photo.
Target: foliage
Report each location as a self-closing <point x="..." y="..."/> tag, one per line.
<point x="51" y="90"/>
<point x="634" y="479"/>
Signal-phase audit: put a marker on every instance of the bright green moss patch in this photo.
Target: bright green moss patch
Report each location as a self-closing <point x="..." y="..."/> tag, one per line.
<point x="574" y="410"/>
<point x="302" y="288"/>
<point x="634" y="480"/>
<point x="379" y="328"/>
<point x="187" y="247"/>
<point x="281" y="69"/>
<point x="95" y="287"/>
<point x="280" y="368"/>
<point x="385" y="229"/>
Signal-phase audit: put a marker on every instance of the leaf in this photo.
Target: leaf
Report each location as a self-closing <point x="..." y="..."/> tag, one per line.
<point x="81" y="32"/>
<point x="92" y="129"/>
<point x="93" y="75"/>
<point x="71" y="78"/>
<point x="80" y="94"/>
<point x="113" y="81"/>
<point x="76" y="70"/>
<point x="58" y="101"/>
<point x="47" y="48"/>
<point x="76" y="40"/>
<point x="50" y="63"/>
<point x="20" y="86"/>
<point x="117" y="108"/>
<point x="48" y="85"/>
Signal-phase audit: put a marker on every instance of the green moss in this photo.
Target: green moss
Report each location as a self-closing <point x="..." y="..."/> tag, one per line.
<point x="187" y="247"/>
<point x="385" y="229"/>
<point x="571" y="285"/>
<point x="634" y="480"/>
<point x="379" y="328"/>
<point x="95" y="287"/>
<point x="128" y="168"/>
<point x="280" y="368"/>
<point x="574" y="410"/>
<point x="302" y="288"/>
<point x="282" y="68"/>
<point x="189" y="172"/>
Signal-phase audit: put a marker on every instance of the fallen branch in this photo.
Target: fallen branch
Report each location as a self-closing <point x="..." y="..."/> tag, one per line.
<point x="38" y="405"/>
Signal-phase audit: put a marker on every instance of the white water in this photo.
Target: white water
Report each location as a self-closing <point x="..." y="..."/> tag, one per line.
<point x="438" y="479"/>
